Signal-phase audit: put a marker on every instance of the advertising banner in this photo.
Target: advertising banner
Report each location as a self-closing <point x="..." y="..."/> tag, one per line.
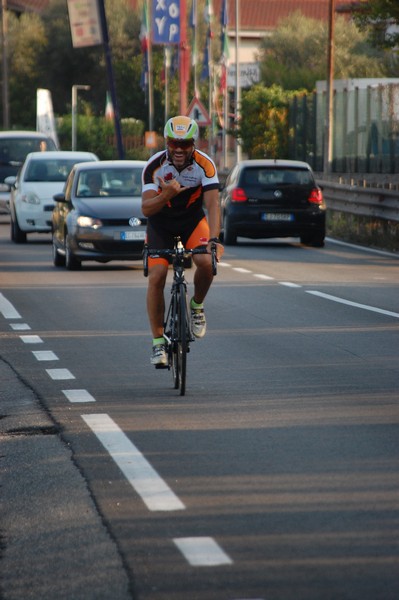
<point x="165" y="21"/>
<point x="84" y="19"/>
<point x="45" y="122"/>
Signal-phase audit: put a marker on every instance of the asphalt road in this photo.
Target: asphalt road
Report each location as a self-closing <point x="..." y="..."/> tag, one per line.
<point x="276" y="476"/>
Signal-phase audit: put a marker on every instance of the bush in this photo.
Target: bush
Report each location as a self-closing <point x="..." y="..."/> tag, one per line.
<point x="97" y="134"/>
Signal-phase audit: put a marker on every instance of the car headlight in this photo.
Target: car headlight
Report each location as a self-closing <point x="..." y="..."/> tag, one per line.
<point x="89" y="222"/>
<point x="30" y="199"/>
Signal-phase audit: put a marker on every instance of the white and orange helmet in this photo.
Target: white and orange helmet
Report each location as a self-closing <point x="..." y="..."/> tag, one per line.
<point x="181" y="128"/>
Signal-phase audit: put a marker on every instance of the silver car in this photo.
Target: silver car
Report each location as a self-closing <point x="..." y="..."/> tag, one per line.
<point x="98" y="216"/>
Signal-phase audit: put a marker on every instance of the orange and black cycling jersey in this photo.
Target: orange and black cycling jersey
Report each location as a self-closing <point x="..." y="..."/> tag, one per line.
<point x="198" y="176"/>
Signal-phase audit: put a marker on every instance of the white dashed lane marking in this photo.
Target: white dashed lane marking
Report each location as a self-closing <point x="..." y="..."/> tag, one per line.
<point x="202" y="552"/>
<point x="265" y="277"/>
<point x="152" y="489"/>
<point x="44" y="355"/>
<point x="78" y="396"/>
<point x="31" y="339"/>
<point x="60" y="374"/>
<point x="289" y="284"/>
<point x="19" y="326"/>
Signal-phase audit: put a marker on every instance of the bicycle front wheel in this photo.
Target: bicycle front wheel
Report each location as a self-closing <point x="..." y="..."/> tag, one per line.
<point x="182" y="339"/>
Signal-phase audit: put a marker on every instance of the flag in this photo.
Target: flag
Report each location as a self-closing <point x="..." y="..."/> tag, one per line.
<point x="208" y="11"/>
<point x="109" y="108"/>
<point x="225" y="47"/>
<point x="145" y="40"/>
<point x="193" y="25"/>
<point x="207" y="55"/>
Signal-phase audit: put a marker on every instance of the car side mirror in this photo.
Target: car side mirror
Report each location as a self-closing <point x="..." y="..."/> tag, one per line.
<point x="60" y="197"/>
<point x="9" y="182"/>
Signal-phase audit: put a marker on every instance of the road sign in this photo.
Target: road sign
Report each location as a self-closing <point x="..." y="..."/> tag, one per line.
<point x="198" y="112"/>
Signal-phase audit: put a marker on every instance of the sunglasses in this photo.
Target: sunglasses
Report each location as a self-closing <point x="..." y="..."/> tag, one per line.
<point x="184" y="144"/>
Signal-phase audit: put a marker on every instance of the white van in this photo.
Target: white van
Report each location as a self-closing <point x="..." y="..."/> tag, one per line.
<point x="14" y="146"/>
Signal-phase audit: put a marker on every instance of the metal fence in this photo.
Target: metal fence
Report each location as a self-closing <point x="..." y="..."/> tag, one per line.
<point x="376" y="203"/>
<point x="365" y="129"/>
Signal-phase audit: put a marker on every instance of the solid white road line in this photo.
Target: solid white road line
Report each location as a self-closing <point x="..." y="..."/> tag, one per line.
<point x="152" y="489"/>
<point x="241" y="270"/>
<point x="60" y="374"/>
<point x="7" y="309"/>
<point x="44" y="355"/>
<point x="31" y="339"/>
<point x="202" y="552"/>
<point x="78" y="396"/>
<point x="355" y="304"/>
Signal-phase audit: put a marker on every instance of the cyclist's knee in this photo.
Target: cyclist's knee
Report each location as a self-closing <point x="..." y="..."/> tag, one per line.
<point x="157" y="276"/>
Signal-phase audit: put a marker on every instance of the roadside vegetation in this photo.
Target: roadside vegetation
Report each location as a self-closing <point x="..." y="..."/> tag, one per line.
<point x="292" y="59"/>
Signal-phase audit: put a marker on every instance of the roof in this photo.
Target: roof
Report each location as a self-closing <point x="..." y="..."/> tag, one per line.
<point x="266" y="14"/>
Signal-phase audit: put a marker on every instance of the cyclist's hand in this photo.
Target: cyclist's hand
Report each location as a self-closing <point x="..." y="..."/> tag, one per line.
<point x="219" y="249"/>
<point x="170" y="189"/>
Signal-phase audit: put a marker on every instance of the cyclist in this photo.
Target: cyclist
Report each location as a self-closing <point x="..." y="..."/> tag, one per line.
<point x="177" y="182"/>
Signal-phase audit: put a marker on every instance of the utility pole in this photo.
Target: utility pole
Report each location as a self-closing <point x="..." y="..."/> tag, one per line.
<point x="184" y="58"/>
<point x="329" y="127"/>
<point x="4" y="53"/>
<point x="238" y="88"/>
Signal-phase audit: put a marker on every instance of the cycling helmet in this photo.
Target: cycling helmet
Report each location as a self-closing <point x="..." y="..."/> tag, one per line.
<point x="181" y="128"/>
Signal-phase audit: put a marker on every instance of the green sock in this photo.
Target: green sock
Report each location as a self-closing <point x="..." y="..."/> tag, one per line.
<point x="156" y="341"/>
<point x="193" y="304"/>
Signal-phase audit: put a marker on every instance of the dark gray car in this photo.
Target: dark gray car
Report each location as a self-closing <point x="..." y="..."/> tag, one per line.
<point x="98" y="216"/>
<point x="272" y="198"/>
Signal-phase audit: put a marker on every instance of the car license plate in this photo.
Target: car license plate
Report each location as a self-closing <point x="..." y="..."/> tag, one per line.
<point x="277" y="217"/>
<point x="132" y="235"/>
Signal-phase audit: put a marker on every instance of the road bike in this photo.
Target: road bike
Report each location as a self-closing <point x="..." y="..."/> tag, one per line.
<point x="177" y="324"/>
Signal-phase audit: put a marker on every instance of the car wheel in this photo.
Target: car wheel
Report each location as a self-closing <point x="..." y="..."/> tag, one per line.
<point x="58" y="259"/>
<point x="315" y="239"/>
<point x="229" y="236"/>
<point x="318" y="240"/>
<point x="71" y="263"/>
<point x="17" y="235"/>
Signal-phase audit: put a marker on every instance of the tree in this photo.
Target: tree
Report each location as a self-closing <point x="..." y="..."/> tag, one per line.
<point x="26" y="39"/>
<point x="263" y="127"/>
<point x="381" y="15"/>
<point x="295" y="55"/>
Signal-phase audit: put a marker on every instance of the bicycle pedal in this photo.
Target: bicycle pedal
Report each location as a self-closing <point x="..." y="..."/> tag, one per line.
<point x="162" y="366"/>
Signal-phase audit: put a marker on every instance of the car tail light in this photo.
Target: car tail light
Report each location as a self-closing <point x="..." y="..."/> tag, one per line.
<point x="316" y="196"/>
<point x="238" y="195"/>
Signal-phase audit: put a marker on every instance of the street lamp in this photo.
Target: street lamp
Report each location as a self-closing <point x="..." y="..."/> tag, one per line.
<point x="75" y="89"/>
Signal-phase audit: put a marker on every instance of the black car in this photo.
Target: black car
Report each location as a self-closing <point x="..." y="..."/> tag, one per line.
<point x="272" y="198"/>
<point x="98" y="216"/>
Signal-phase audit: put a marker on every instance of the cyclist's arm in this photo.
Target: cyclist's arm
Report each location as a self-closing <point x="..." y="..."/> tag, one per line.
<point x="152" y="201"/>
<point x="211" y="201"/>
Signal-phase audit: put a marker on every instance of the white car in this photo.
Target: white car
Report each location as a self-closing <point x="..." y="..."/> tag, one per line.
<point x="42" y="175"/>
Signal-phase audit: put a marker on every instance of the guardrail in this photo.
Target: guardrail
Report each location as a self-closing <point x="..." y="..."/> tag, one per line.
<point x="378" y="203"/>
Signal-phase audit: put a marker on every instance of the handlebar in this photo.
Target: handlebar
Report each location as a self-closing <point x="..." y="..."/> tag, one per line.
<point x="177" y="252"/>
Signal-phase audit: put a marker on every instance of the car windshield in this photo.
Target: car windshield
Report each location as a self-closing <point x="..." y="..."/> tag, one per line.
<point x="49" y="170"/>
<point x="14" y="150"/>
<point x="266" y="176"/>
<point x="109" y="182"/>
